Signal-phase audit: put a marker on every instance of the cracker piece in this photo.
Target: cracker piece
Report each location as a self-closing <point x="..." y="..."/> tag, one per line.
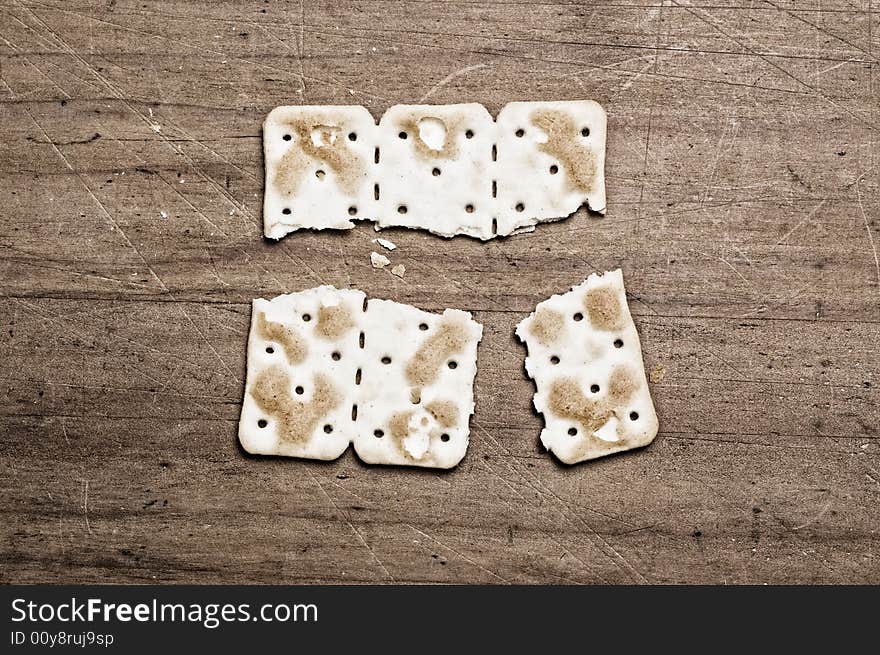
<point x="434" y="169"/>
<point x="302" y="359"/>
<point x="416" y="391"/>
<point x="550" y="161"/>
<point x="320" y="168"/>
<point x="585" y="358"/>
<point x="378" y="260"/>
<point x="326" y="368"/>
<point x="385" y="243"/>
<point x="448" y="169"/>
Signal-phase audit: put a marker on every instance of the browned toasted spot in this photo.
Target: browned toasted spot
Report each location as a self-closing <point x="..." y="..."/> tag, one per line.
<point x="334" y="322"/>
<point x="547" y="325"/>
<point x="332" y="150"/>
<point x="296" y="419"/>
<point x="453" y="126"/>
<point x="271" y="390"/>
<point x="603" y="306"/>
<point x="449" y="338"/>
<point x="565" y="145"/>
<point x="398" y="426"/>
<point x="622" y="385"/>
<point x="445" y="412"/>
<point x="295" y="347"/>
<point x="290" y="170"/>
<point x="398" y="429"/>
<point x="566" y="401"/>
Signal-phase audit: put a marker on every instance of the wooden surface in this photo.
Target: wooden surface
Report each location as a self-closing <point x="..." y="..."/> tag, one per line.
<point x="743" y="207"/>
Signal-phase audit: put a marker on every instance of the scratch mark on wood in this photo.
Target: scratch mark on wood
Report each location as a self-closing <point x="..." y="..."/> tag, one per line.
<point x="734" y="269"/>
<point x="117" y="93"/>
<point x="351" y="525"/>
<point x="818" y="516"/>
<point x="446" y="80"/>
<point x="85" y="496"/>
<point x="103" y="208"/>
<point x="210" y="345"/>
<point x="765" y="58"/>
<point x="568" y="552"/>
<point x="566" y="512"/>
<point x="801" y="223"/>
<point x="828" y="33"/>
<point x="458" y="553"/>
<point x="870" y="236"/>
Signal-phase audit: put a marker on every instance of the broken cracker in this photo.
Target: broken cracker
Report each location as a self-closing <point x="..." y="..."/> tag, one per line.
<point x="551" y="160"/>
<point x="586" y="360"/>
<point x="326" y="368"/>
<point x="416" y="392"/>
<point x="319" y="168"/>
<point x="448" y="169"/>
<point x="302" y="358"/>
<point x="434" y="169"/>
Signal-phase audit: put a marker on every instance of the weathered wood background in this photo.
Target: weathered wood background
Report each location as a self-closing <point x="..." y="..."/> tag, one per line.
<point x="743" y="207"/>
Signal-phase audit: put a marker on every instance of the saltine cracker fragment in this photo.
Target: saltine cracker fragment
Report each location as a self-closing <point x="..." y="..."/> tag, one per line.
<point x="301" y="363"/>
<point x="586" y="360"/>
<point x="448" y="169"/>
<point x="434" y="169"/>
<point x="326" y="368"/>
<point x="416" y="392"/>
<point x="320" y="168"/>
<point x="550" y="161"/>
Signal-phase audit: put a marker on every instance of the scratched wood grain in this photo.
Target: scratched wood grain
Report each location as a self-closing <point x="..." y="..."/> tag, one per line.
<point x="744" y="197"/>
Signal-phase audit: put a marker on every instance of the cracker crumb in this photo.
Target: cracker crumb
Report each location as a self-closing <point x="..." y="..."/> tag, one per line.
<point x="398" y="270"/>
<point x="657" y="374"/>
<point x="385" y="243"/>
<point x="163" y="214"/>
<point x="379" y="261"/>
